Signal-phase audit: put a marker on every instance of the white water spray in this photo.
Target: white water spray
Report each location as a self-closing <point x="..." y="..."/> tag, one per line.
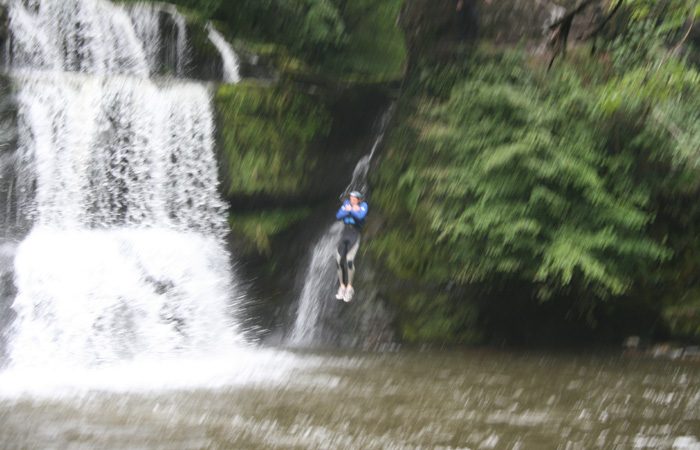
<point x="146" y="21"/>
<point x="148" y="26"/>
<point x="126" y="258"/>
<point x="318" y="288"/>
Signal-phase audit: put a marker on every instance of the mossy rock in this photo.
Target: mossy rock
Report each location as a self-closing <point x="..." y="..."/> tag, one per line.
<point x="266" y="138"/>
<point x="427" y="317"/>
<point x="259" y="228"/>
<point x="205" y="61"/>
<point x="683" y="320"/>
<point x="374" y="51"/>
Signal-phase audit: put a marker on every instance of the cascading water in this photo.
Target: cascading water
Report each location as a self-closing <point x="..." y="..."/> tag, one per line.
<point x="86" y="36"/>
<point x="229" y="59"/>
<point x="320" y="281"/>
<point x="124" y="256"/>
<point x="359" y="174"/>
<point x="182" y="52"/>
<point x="147" y="26"/>
<point x="318" y="288"/>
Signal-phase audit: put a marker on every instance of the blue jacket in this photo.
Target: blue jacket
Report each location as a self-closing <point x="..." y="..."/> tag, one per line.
<point x="356" y="218"/>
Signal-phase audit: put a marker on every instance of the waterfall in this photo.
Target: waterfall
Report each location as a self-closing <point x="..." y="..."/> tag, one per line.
<point x="359" y="174"/>
<point x="320" y="281"/>
<point x="318" y="288"/>
<point x="146" y="20"/>
<point x="124" y="256"/>
<point x="164" y="47"/>
<point x="182" y="52"/>
<point x="90" y="36"/>
<point x="229" y="59"/>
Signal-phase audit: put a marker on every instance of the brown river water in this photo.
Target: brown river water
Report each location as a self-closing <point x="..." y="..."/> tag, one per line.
<point x="474" y="399"/>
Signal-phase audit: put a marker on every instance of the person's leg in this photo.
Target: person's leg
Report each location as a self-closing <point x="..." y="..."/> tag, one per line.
<point x="339" y="266"/>
<point x="350" y="257"/>
<point x="340" y="261"/>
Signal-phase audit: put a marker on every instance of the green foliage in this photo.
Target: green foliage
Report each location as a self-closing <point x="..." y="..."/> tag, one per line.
<point x="580" y="183"/>
<point x="357" y="40"/>
<point x="669" y="14"/>
<point x="643" y="88"/>
<point x="266" y="135"/>
<point x="374" y="47"/>
<point x="517" y="178"/>
<point x="647" y="70"/>
<point x="684" y="318"/>
<point x="322" y="28"/>
<point x="304" y="26"/>
<point x="259" y="228"/>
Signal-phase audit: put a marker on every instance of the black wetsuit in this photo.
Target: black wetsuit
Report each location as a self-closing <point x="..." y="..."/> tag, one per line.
<point x="349" y="241"/>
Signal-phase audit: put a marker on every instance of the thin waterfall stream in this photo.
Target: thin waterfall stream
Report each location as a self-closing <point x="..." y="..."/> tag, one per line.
<point x="229" y="58"/>
<point x="320" y="276"/>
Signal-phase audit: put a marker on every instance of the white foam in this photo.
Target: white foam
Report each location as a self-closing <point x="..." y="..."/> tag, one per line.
<point x="236" y="367"/>
<point x="86" y="297"/>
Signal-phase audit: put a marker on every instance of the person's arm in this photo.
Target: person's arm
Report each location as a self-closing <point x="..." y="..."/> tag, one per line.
<point x="360" y="212"/>
<point x="343" y="212"/>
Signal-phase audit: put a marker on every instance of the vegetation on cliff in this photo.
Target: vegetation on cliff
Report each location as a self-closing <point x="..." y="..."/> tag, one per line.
<point x="260" y="227"/>
<point x="337" y="40"/>
<point x="568" y="186"/>
<point x="511" y="197"/>
<point x="266" y="134"/>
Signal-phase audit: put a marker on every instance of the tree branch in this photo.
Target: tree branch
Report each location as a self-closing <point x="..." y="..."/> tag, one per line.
<point x="569" y="16"/>
<point x="687" y="33"/>
<point x="602" y="24"/>
<point x="560" y="29"/>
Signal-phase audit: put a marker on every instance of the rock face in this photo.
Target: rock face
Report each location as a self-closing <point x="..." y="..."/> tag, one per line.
<point x="276" y="225"/>
<point x="511" y="21"/>
<point x="432" y="25"/>
<point x="294" y="146"/>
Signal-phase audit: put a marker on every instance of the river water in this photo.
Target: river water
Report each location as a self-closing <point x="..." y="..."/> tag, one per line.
<point x="405" y="400"/>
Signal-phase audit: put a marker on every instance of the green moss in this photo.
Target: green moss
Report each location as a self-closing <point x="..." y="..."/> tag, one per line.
<point x="330" y="40"/>
<point x="266" y="135"/>
<point x="437" y="319"/>
<point x="259" y="228"/>
<point x="375" y="49"/>
<point x="684" y="320"/>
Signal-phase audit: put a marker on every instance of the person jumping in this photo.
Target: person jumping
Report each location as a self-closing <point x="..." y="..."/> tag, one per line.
<point x="352" y="213"/>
